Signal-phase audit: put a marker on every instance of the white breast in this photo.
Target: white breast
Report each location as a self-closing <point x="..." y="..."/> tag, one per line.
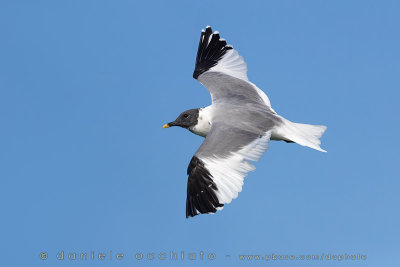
<point x="203" y="125"/>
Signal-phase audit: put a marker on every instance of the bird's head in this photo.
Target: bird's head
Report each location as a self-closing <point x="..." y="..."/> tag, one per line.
<point x="186" y="119"/>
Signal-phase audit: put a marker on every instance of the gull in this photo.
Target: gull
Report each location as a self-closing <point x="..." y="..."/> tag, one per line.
<point x="237" y="127"/>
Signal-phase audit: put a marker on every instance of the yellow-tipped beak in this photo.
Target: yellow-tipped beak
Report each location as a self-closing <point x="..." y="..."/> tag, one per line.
<point x="166" y="126"/>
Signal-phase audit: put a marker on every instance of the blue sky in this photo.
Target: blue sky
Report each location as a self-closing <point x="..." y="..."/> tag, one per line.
<point x="85" y="87"/>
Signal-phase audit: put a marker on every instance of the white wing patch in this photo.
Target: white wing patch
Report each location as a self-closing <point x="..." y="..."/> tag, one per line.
<point x="232" y="64"/>
<point x="222" y="58"/>
<point x="228" y="173"/>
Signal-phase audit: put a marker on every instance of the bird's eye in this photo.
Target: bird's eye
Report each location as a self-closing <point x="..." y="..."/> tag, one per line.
<point x="185" y="115"/>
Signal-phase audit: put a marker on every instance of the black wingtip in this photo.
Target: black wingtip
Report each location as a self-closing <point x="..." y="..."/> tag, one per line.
<point x="209" y="52"/>
<point x="201" y="190"/>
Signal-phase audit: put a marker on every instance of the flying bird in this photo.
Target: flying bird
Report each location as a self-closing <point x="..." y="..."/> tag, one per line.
<point x="237" y="127"/>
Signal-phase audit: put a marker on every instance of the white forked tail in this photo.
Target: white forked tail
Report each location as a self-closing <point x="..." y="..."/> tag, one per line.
<point x="302" y="134"/>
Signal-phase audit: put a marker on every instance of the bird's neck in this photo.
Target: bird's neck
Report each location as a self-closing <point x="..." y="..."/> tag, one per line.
<point x="203" y="125"/>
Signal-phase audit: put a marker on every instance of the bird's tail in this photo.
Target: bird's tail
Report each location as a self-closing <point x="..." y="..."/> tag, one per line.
<point x="302" y="134"/>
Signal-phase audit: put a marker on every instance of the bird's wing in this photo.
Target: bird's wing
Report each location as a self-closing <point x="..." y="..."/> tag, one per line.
<point x="217" y="169"/>
<point x="224" y="72"/>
